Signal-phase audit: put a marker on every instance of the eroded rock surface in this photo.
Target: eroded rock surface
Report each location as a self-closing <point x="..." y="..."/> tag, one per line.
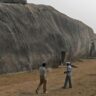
<point x="31" y="34"/>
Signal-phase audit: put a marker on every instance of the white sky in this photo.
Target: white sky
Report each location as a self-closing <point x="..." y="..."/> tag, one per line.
<point x="83" y="10"/>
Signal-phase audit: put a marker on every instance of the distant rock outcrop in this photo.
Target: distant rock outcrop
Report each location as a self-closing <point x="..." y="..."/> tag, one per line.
<point x="14" y="1"/>
<point x="31" y="34"/>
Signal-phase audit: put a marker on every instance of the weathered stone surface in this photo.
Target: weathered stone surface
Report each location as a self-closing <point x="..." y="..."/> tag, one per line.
<point x="14" y="1"/>
<point x="31" y="34"/>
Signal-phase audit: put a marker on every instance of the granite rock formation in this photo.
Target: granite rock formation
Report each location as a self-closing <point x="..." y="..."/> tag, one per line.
<point x="14" y="1"/>
<point x="31" y="34"/>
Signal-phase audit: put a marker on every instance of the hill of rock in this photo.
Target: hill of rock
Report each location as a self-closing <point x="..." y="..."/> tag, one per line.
<point x="31" y="34"/>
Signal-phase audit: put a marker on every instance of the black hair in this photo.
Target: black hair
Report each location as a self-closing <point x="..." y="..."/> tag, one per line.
<point x="68" y="63"/>
<point x="43" y="64"/>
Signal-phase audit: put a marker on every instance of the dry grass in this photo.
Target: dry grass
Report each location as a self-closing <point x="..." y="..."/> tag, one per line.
<point x="24" y="84"/>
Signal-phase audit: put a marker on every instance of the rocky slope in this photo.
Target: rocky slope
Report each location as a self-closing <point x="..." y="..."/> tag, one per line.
<point x="14" y="1"/>
<point x="31" y="34"/>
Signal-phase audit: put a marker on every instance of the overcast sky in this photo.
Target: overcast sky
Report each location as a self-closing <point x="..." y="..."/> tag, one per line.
<point x="83" y="10"/>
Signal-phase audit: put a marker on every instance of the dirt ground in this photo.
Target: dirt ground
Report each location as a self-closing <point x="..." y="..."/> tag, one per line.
<point x="24" y="84"/>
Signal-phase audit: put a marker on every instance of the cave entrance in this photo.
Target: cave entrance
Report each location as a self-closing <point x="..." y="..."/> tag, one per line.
<point x="63" y="55"/>
<point x="92" y="48"/>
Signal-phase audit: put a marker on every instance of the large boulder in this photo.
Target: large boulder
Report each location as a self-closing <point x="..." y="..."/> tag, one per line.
<point x="32" y="34"/>
<point x="14" y="1"/>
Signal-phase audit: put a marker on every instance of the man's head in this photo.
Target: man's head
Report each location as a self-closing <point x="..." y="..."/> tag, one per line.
<point x="44" y="64"/>
<point x="68" y="63"/>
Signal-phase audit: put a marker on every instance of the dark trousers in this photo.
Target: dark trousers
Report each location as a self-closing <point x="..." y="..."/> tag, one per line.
<point x="68" y="80"/>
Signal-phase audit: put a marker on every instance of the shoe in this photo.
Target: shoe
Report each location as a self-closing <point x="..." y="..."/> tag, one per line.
<point x="63" y="87"/>
<point x="45" y="92"/>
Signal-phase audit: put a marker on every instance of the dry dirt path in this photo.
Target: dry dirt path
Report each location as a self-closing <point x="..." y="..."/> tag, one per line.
<point x="24" y="84"/>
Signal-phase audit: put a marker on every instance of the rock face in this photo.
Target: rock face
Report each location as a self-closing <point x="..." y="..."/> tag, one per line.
<point x="32" y="34"/>
<point x="14" y="1"/>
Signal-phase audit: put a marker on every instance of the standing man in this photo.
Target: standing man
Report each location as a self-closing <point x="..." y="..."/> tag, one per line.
<point x="43" y="78"/>
<point x="68" y="73"/>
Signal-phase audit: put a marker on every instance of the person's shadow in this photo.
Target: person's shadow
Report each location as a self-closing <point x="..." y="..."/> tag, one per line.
<point x="30" y="94"/>
<point x="26" y="94"/>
